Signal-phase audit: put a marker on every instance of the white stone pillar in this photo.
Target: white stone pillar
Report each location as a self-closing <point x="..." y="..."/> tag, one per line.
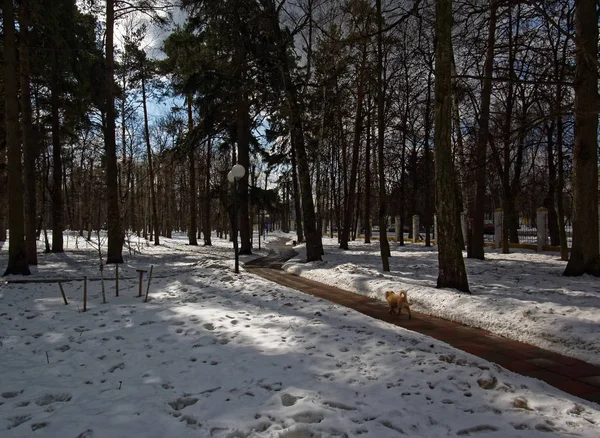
<point x="415" y="225"/>
<point x="435" y="234"/>
<point x="498" y="217"/>
<point x="397" y="228"/>
<point x="542" y="228"/>
<point x="463" y="225"/>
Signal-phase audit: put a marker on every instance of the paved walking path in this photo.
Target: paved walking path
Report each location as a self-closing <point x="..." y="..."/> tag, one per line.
<point x="570" y="375"/>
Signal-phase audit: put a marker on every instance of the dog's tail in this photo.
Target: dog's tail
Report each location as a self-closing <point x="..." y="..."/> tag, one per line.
<point x="403" y="294"/>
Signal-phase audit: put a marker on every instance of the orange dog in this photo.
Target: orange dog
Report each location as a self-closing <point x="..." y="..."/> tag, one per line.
<point x="398" y="302"/>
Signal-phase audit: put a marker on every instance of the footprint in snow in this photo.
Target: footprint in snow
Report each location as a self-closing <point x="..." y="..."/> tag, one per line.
<point x="183" y="402"/>
<point x="289" y="399"/>
<point x="308" y="417"/>
<point x="208" y="326"/>
<point x="47" y="399"/>
<point x="36" y="426"/>
<point x="116" y="367"/>
<point x="17" y="421"/>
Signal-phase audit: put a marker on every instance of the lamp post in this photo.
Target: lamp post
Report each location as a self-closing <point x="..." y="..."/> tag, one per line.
<point x="236" y="172"/>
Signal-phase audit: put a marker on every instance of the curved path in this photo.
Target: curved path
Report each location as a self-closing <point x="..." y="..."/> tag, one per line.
<point x="570" y="375"/>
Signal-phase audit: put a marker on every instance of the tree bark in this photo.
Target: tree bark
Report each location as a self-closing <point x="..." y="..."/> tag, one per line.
<point x="505" y="168"/>
<point x="427" y="213"/>
<point x="115" y="232"/>
<point x="207" y="197"/>
<point x="297" y="197"/>
<point x="17" y="256"/>
<point x="29" y="144"/>
<point x="452" y="272"/>
<point x="358" y="128"/>
<point x="3" y="178"/>
<point x="57" y="198"/>
<point x="383" y="242"/>
<point x="368" y="193"/>
<point x="584" y="252"/>
<point x="477" y="205"/>
<point x="193" y="230"/>
<point x="155" y="221"/>
<point x="243" y="144"/>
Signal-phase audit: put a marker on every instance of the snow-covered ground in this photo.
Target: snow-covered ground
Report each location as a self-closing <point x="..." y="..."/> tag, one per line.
<point x="218" y="354"/>
<point x="521" y="296"/>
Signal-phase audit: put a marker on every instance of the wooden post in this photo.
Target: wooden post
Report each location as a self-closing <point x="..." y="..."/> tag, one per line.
<point x="141" y="272"/>
<point x="148" y="287"/>
<point x="117" y="279"/>
<point x="85" y="294"/>
<point x="62" y="291"/>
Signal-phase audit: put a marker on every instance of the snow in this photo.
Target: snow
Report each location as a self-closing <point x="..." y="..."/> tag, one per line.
<point x="218" y="354"/>
<point x="521" y="296"/>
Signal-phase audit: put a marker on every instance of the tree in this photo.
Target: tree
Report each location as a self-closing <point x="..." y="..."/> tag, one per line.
<point x="281" y="41"/>
<point x="452" y="272"/>
<point x="383" y="242"/>
<point x="29" y="144"/>
<point x="358" y="128"/>
<point x="114" y="252"/>
<point x="17" y="256"/>
<point x="584" y="253"/>
<point x="477" y="202"/>
<point x="143" y="73"/>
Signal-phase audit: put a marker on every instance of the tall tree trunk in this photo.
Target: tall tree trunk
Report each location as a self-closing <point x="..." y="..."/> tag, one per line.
<point x="515" y="187"/>
<point x="585" y="252"/>
<point x="243" y="143"/>
<point x="477" y="205"/>
<point x="297" y="197"/>
<point x="560" y="185"/>
<point x="29" y="144"/>
<point x="155" y="221"/>
<point x="124" y="190"/>
<point x="427" y="213"/>
<point x="17" y="255"/>
<point x="559" y="72"/>
<point x="452" y="272"/>
<point x="57" y="198"/>
<point x="3" y="177"/>
<point x="133" y="198"/>
<point x="319" y="177"/>
<point x="505" y="168"/>
<point x="552" y="181"/>
<point x="358" y="128"/>
<point x="314" y="246"/>
<point x="115" y="232"/>
<point x="368" y="193"/>
<point x="405" y="116"/>
<point x="193" y="230"/>
<point x="383" y="242"/>
<point x="207" y="196"/>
